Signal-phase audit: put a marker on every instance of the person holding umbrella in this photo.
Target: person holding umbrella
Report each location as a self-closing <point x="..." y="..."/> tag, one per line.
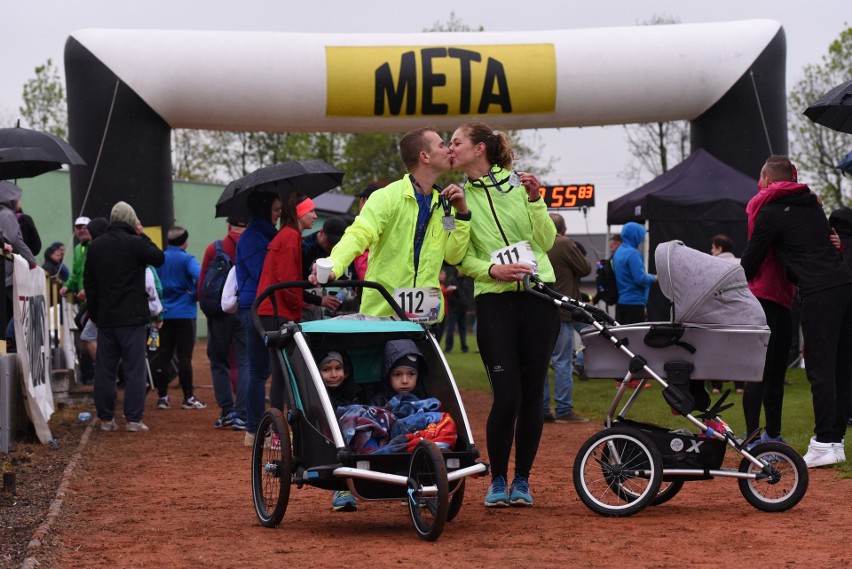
<point x="265" y="208"/>
<point x="410" y="227"/>
<point x="13" y="240"/>
<point x="283" y="263"/>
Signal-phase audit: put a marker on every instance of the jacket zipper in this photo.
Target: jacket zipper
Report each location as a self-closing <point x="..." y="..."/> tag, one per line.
<point x="499" y="227"/>
<point x="417" y="268"/>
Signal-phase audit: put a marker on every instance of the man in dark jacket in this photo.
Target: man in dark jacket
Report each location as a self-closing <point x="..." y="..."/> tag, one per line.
<point x="114" y="279"/>
<point x="570" y="265"/>
<point x="793" y="224"/>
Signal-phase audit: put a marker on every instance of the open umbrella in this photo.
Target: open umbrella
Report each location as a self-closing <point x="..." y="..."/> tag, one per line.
<point x="25" y="153"/>
<point x="834" y="109"/>
<point x="310" y="177"/>
<point x="845" y="165"/>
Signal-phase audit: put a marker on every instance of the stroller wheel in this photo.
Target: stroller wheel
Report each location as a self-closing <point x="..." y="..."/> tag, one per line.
<point x="428" y="490"/>
<point x="668" y="490"/>
<point x="618" y="472"/>
<point x="779" y="485"/>
<point x="271" y="468"/>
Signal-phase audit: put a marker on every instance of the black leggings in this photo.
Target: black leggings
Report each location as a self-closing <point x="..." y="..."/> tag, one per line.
<point x="176" y="336"/>
<point x="770" y="392"/>
<point x="516" y="333"/>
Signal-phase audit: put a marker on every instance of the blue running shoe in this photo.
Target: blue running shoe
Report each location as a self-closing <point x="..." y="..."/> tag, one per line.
<point x="520" y="494"/>
<point x="498" y="495"/>
<point x="343" y="501"/>
<point x="225" y="420"/>
<point x="238" y="424"/>
<point x="764" y="438"/>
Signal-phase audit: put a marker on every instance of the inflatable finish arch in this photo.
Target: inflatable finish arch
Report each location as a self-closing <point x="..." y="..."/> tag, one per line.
<point x="128" y="88"/>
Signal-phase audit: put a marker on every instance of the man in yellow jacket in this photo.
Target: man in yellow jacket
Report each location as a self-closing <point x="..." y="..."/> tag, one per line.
<point x="410" y="227"/>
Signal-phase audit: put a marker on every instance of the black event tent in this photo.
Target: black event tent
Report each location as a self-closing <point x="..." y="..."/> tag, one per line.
<point x="692" y="202"/>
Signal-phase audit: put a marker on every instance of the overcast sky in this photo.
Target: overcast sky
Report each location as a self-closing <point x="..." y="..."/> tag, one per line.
<point x="35" y="30"/>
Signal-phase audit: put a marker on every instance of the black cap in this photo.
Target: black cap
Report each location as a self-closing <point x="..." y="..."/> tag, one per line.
<point x="334" y="227"/>
<point x="372" y="187"/>
<point x="237" y="221"/>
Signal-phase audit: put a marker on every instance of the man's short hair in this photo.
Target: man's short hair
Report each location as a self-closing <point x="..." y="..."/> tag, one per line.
<point x="778" y="168"/>
<point x="412" y="144"/>
<point x="616" y="237"/>
<point x="371" y="187"/>
<point x="333" y="228"/>
<point x="559" y="222"/>
<point x="723" y="242"/>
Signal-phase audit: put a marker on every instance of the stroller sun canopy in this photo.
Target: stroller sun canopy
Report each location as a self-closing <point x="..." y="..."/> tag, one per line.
<point x="704" y="289"/>
<point x="346" y="326"/>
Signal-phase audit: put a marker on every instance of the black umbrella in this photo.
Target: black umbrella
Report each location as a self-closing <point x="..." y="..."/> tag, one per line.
<point x="309" y="177"/>
<point x="834" y="109"/>
<point x="25" y="153"/>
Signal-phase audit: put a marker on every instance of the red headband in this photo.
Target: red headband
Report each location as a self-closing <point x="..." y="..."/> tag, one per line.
<point x="304" y="207"/>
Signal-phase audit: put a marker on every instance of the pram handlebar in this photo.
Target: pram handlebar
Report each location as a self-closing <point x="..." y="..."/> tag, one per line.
<point x="580" y="311"/>
<point x="269" y="291"/>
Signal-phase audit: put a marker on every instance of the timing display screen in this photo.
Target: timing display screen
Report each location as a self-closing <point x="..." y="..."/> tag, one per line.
<point x="572" y="196"/>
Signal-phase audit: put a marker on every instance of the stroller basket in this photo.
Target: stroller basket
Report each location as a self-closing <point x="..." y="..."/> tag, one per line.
<point x="681" y="449"/>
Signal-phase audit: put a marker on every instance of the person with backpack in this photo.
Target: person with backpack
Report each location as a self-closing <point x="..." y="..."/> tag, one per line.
<point x="225" y="331"/>
<point x="605" y="285"/>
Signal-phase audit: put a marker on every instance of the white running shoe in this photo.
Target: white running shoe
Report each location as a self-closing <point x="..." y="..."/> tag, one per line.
<point x="137" y="427"/>
<point x="821" y="454"/>
<point x="193" y="403"/>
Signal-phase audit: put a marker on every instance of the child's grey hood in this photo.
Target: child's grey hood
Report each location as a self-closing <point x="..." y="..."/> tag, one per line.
<point x="396" y="349"/>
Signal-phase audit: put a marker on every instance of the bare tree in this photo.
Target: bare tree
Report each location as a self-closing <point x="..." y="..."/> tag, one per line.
<point x="815" y="149"/>
<point x="655" y="147"/>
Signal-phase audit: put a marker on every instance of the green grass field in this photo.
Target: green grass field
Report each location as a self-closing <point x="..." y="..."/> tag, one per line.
<point x="593" y="398"/>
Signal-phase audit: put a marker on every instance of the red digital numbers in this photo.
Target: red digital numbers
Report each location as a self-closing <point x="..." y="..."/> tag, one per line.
<point x="572" y="196"/>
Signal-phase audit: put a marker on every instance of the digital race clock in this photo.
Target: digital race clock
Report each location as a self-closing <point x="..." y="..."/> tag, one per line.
<point x="572" y="196"/>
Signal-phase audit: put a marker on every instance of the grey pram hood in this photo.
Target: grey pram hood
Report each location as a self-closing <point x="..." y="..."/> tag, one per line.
<point x="704" y="289"/>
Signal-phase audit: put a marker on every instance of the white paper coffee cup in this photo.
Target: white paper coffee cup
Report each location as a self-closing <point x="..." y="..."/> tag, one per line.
<point x="324" y="267"/>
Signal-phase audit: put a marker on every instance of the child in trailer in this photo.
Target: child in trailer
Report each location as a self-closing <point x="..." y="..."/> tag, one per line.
<point x="336" y="371"/>
<point x="416" y="417"/>
<point x="400" y="415"/>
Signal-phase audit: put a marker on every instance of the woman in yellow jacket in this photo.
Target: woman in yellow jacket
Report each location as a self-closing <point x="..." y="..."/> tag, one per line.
<point x="410" y="227"/>
<point x="510" y="235"/>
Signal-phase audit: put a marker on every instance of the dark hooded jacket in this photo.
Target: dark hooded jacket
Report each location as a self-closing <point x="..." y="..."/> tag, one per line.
<point x="348" y="392"/>
<point x="114" y="276"/>
<point x="396" y="350"/>
<point x="795" y="227"/>
<point x="841" y="220"/>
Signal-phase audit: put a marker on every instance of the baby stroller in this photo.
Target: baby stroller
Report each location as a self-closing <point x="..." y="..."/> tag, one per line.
<point x="717" y="332"/>
<point x="304" y="445"/>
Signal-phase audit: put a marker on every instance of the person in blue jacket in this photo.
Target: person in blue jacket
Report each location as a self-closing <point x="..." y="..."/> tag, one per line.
<point x="179" y="278"/>
<point x="265" y="208"/>
<point x="631" y="279"/>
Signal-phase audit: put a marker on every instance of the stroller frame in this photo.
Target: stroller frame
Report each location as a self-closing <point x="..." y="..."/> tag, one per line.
<point x="630" y="465"/>
<point x="430" y="481"/>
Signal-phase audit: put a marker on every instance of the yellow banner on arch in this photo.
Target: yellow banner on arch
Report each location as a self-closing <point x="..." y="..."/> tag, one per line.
<point x="389" y="81"/>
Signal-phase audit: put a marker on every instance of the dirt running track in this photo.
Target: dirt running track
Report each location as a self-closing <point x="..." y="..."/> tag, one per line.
<point x="179" y="496"/>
